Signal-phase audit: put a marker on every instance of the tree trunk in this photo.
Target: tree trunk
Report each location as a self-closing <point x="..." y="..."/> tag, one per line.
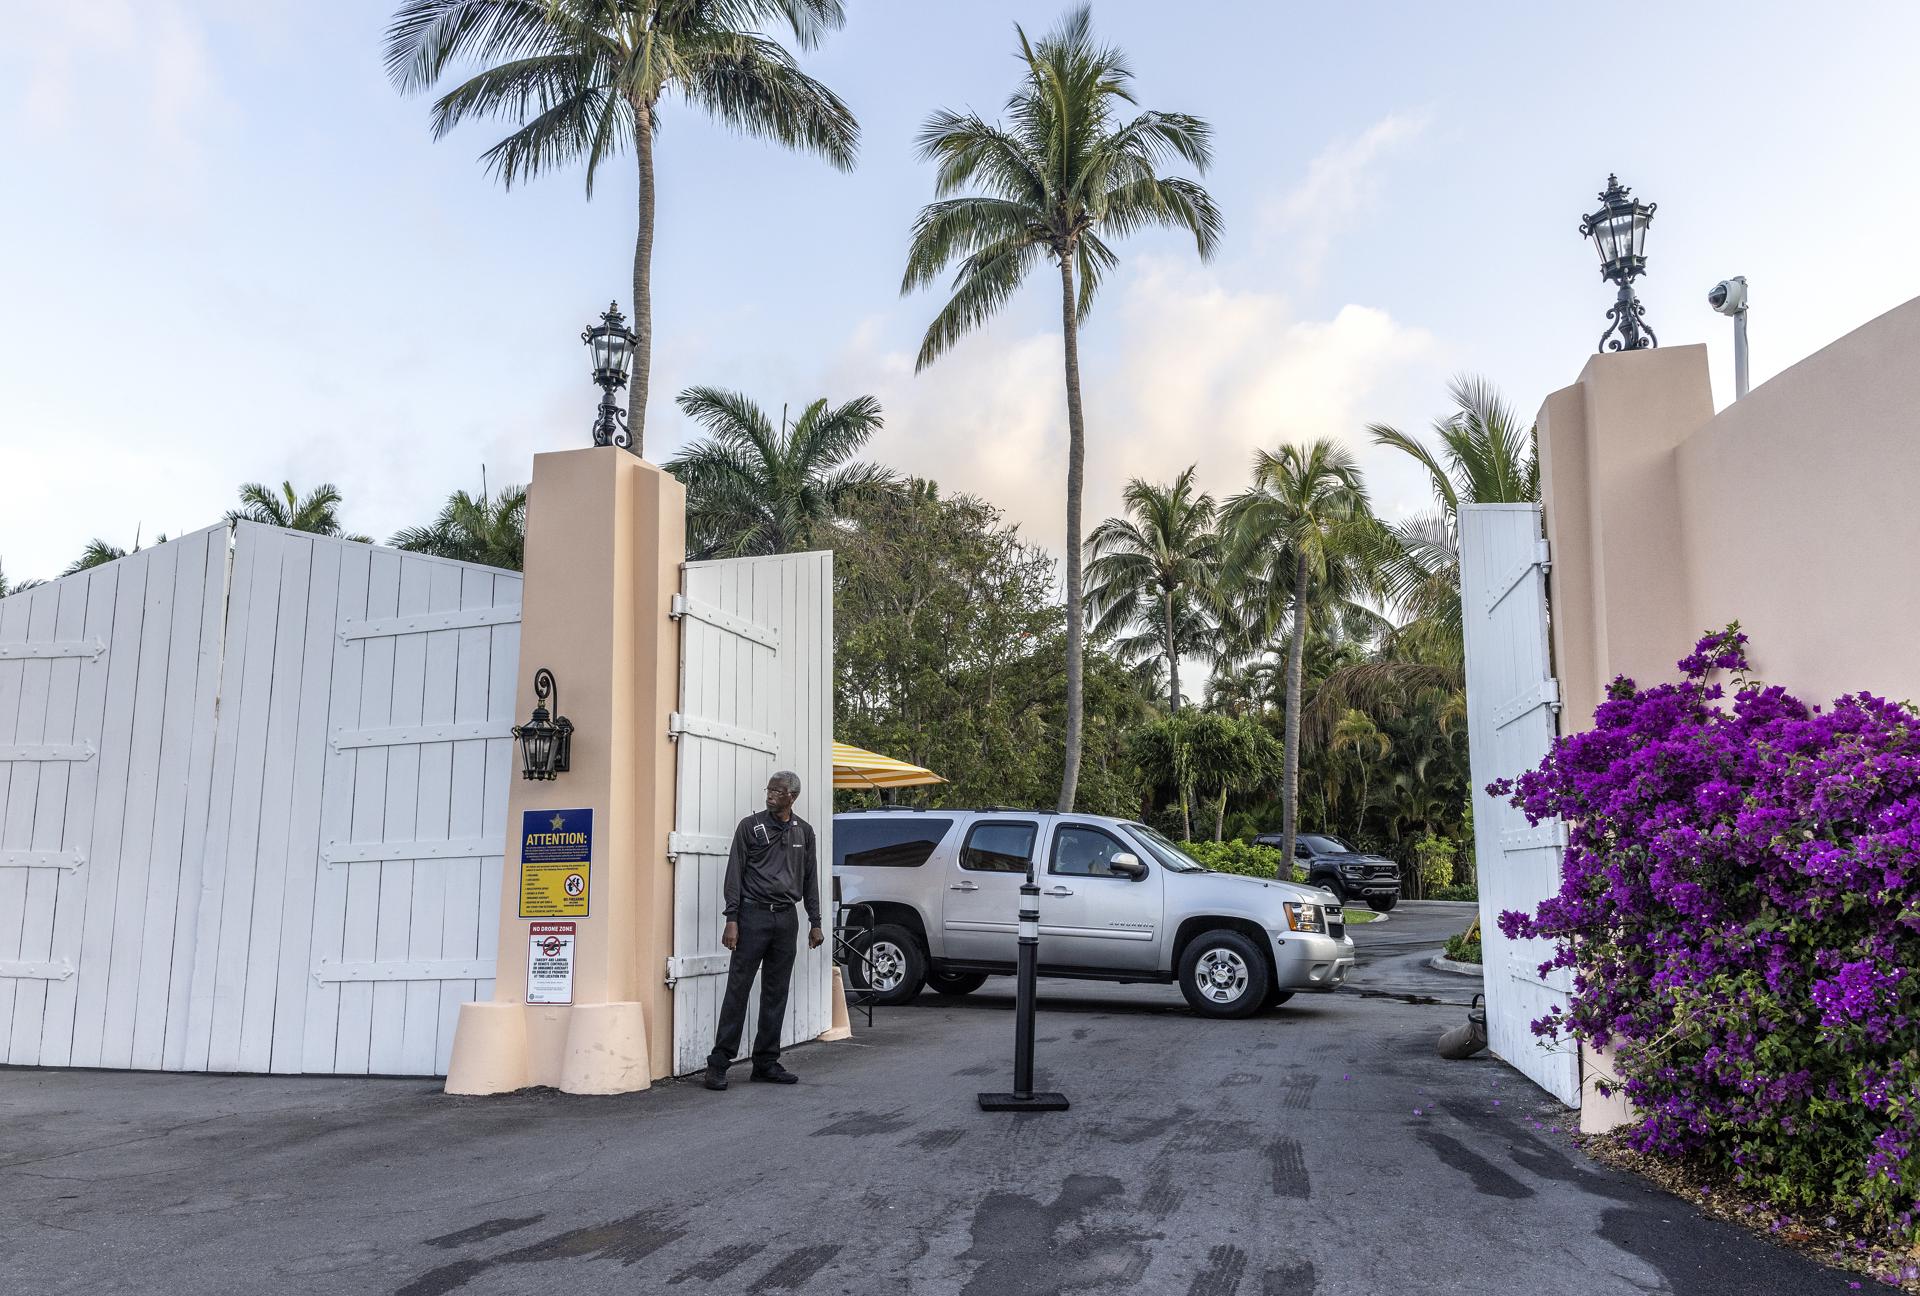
<point x="1076" y="470"/>
<point x="1173" y="656"/>
<point x="642" y="283"/>
<point x="1296" y="655"/>
<point x="1220" y="817"/>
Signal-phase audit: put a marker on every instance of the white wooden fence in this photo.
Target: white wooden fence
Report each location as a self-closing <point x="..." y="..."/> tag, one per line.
<point x="252" y="802"/>
<point x="1512" y="702"/>
<point x="756" y="695"/>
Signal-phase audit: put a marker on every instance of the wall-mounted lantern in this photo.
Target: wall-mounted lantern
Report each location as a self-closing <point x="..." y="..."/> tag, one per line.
<point x="1619" y="234"/>
<point x="546" y="743"/>
<point x="612" y="346"/>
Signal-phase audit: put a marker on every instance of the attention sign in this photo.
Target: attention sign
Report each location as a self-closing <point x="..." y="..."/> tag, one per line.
<point x="550" y="963"/>
<point x="556" y="858"/>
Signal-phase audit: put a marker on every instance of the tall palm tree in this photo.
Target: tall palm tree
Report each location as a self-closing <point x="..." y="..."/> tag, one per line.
<point x="318" y="511"/>
<point x="483" y="528"/>
<point x="1302" y="533"/>
<point x="1156" y="567"/>
<point x="1064" y="175"/>
<point x="583" y="79"/>
<point x="754" y="490"/>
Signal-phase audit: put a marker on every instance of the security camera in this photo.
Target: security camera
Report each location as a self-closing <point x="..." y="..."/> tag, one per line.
<point x="1729" y="296"/>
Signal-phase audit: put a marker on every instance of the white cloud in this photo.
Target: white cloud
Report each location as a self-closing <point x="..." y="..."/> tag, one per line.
<point x="1181" y="367"/>
<point x="1340" y="182"/>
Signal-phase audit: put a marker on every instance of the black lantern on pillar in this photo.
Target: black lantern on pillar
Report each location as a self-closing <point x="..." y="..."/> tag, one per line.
<point x="1619" y="234"/>
<point x="612" y="346"/>
<point x="546" y="743"/>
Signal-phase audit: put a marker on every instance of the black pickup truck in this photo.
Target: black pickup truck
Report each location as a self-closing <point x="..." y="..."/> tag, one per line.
<point x="1348" y="873"/>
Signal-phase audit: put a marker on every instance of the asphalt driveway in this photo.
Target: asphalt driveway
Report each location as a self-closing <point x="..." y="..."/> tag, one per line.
<point x="1322" y="1150"/>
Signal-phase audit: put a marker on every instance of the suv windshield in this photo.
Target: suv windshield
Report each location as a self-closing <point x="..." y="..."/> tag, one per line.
<point x="1170" y="856"/>
<point x="1321" y="844"/>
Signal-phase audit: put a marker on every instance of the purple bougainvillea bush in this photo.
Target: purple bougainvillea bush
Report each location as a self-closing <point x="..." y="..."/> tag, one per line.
<point x="1740" y="906"/>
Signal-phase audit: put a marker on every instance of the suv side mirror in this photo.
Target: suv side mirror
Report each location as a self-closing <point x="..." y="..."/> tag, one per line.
<point x="1128" y="866"/>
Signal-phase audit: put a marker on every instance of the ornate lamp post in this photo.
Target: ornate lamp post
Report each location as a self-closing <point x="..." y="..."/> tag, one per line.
<point x="546" y="744"/>
<point x="612" y="346"/>
<point x="1619" y="233"/>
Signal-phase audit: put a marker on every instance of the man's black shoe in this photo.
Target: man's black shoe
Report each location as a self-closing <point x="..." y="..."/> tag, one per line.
<point x="775" y="1074"/>
<point x="716" y="1077"/>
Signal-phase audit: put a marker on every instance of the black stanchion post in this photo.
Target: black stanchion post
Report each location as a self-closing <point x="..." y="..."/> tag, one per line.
<point x="1023" y="1098"/>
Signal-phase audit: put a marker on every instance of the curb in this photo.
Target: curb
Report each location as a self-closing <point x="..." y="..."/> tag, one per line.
<point x="1441" y="963"/>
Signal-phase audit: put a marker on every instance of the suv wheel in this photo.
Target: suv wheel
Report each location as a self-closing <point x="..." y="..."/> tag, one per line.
<point x="954" y="983"/>
<point x="1381" y="904"/>
<point x="899" y="968"/>
<point x="1223" y="974"/>
<point x="1335" y="885"/>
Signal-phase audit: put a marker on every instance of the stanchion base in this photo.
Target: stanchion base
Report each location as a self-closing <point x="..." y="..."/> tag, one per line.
<point x="1014" y="1102"/>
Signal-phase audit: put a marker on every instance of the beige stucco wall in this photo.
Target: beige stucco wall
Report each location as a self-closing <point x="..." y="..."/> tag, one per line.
<point x="1789" y="511"/>
<point x="1798" y="516"/>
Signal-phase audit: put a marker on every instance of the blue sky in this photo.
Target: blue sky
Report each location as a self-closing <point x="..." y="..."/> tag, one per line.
<point x="233" y="252"/>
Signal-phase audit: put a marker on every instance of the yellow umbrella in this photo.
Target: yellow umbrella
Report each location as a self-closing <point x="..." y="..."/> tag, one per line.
<point x="855" y="767"/>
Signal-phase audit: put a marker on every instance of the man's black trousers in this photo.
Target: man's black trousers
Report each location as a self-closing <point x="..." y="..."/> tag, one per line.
<point x="768" y="941"/>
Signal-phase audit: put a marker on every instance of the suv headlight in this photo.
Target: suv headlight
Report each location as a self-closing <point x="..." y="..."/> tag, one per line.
<point x="1303" y="917"/>
<point x="1353" y="866"/>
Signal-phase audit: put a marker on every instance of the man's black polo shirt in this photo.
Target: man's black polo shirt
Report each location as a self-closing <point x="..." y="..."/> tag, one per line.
<point x="773" y="863"/>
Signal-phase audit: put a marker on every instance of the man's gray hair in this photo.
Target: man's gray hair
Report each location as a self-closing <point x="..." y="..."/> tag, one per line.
<point x="787" y="779"/>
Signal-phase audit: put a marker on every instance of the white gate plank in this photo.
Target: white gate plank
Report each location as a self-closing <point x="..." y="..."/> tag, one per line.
<point x="70" y="899"/>
<point x="179" y="677"/>
<point x="126" y="968"/>
<point x="260" y="955"/>
<point x="503" y="675"/>
<point x="466" y="795"/>
<point x="386" y="1048"/>
<point x="49" y="817"/>
<point x="256" y="747"/>
<point x="359" y="937"/>
<point x="33" y="622"/>
<point x="274" y="1036"/>
<point x="93" y="970"/>
<point x="321" y="1020"/>
<point x="427" y="910"/>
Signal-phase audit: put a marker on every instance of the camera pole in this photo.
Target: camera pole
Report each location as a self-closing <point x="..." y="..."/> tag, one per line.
<point x="1023" y="1098"/>
<point x="1740" y="354"/>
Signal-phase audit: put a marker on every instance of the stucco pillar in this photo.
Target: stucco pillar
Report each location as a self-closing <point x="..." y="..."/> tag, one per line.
<point x="605" y="543"/>
<point x="1611" y="490"/>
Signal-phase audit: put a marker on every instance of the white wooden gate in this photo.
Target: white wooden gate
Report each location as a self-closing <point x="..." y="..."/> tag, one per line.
<point x="756" y="695"/>
<point x="1512" y="703"/>
<point x="252" y="802"/>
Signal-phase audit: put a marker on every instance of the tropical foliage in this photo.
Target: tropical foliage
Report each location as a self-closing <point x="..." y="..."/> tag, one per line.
<point x="14" y="587"/>
<point x="949" y="641"/>
<point x="318" y="511"/>
<point x="583" y="81"/>
<point x="483" y="528"/>
<point x="1067" y="173"/>
<point x="752" y="489"/>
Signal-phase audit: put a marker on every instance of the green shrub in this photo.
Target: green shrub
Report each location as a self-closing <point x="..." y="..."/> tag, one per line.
<point x="1465" y="891"/>
<point x="1465" y="947"/>
<point x="1243" y="858"/>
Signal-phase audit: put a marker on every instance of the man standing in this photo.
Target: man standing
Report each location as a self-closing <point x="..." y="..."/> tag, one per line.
<point x="772" y="867"/>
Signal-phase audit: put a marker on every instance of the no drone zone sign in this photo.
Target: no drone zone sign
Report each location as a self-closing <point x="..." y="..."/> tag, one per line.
<point x="550" y="963"/>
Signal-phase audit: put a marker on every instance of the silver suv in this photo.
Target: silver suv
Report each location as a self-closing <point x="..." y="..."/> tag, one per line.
<point x="1118" y="902"/>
